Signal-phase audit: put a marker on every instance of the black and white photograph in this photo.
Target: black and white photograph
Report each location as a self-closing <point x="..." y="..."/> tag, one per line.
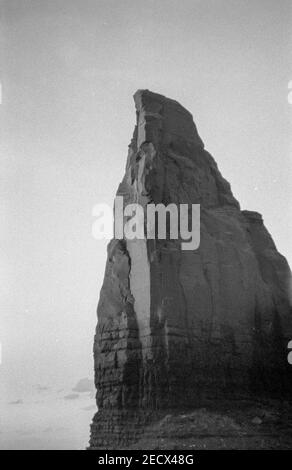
<point x="146" y="208"/>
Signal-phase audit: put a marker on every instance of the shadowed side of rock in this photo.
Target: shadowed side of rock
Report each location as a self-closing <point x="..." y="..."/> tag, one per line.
<point x="177" y="328"/>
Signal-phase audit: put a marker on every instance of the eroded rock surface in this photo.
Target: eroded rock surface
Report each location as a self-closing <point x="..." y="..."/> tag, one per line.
<point x="176" y="328"/>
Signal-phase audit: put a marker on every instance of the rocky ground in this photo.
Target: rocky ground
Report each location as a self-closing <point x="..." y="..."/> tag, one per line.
<point x="244" y="425"/>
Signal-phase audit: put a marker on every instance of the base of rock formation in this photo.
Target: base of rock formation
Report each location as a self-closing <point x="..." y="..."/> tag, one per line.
<point x="239" y="425"/>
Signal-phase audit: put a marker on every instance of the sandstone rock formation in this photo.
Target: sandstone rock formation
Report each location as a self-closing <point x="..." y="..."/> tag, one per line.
<point x="176" y="328"/>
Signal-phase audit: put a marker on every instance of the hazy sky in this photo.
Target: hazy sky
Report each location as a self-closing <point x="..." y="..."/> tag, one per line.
<point x="68" y="73"/>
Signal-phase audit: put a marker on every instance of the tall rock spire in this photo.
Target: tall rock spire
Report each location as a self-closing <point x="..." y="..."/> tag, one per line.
<point x="178" y="327"/>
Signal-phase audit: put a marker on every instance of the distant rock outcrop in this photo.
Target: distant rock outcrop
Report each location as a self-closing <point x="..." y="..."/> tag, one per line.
<point x="177" y="328"/>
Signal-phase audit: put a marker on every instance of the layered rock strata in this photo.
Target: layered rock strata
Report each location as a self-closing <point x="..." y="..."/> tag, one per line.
<point x="177" y="327"/>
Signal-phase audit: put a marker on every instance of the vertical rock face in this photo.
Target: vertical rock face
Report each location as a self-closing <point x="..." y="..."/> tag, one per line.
<point x="176" y="327"/>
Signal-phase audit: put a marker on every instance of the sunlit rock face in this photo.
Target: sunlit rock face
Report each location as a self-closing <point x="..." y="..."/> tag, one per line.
<point x="178" y="327"/>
